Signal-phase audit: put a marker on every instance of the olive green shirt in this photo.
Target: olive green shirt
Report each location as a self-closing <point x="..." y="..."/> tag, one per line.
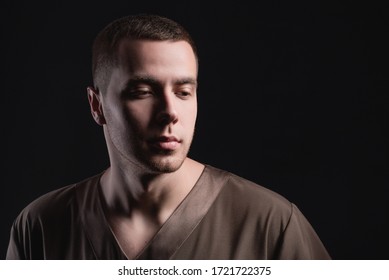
<point x="223" y="217"/>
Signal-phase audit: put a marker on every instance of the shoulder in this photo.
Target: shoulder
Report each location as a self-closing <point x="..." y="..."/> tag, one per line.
<point x="248" y="189"/>
<point x="47" y="222"/>
<point x="245" y="195"/>
<point x="265" y="223"/>
<point x="54" y="203"/>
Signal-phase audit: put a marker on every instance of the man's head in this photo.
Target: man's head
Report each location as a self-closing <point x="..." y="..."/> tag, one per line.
<point x="142" y="26"/>
<point x="145" y="72"/>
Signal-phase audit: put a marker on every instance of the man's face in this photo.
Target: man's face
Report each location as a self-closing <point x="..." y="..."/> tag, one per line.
<point x="150" y="106"/>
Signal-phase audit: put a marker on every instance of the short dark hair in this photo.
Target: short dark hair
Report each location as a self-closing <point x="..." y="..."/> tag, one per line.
<point x="141" y="26"/>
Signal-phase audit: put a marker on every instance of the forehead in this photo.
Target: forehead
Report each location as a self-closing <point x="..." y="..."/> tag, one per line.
<point x="134" y="55"/>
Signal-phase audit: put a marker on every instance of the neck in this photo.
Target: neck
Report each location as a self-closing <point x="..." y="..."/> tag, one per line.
<point x="157" y="195"/>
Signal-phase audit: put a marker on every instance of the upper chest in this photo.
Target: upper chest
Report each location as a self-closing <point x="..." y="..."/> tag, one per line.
<point x="133" y="234"/>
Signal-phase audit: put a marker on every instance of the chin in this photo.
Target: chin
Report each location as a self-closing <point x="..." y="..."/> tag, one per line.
<point x="163" y="162"/>
<point x="166" y="165"/>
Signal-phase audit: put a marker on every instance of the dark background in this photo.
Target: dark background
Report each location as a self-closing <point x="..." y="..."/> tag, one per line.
<point x="293" y="95"/>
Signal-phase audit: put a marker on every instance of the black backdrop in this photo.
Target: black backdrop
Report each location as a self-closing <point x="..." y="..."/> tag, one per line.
<point x="292" y="95"/>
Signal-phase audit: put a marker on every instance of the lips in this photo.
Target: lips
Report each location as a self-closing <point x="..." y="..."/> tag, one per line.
<point x="169" y="143"/>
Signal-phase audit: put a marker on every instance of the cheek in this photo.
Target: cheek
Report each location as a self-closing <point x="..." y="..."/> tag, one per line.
<point x="136" y="117"/>
<point x="190" y="114"/>
<point x="112" y="114"/>
<point x="120" y="118"/>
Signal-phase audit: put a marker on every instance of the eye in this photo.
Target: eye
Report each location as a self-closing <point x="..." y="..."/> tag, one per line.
<point x="141" y="93"/>
<point x="138" y="93"/>
<point x="183" y="94"/>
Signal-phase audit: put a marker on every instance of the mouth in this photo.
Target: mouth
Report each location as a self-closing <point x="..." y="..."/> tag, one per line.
<point x="165" y="143"/>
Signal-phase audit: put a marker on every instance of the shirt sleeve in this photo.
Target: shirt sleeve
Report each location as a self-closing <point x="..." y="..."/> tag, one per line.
<point x="14" y="251"/>
<point x="299" y="240"/>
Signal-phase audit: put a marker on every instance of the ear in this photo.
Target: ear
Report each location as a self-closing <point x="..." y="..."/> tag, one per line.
<point x="95" y="104"/>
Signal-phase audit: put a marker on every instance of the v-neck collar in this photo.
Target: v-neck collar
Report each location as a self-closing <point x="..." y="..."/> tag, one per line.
<point x="172" y="233"/>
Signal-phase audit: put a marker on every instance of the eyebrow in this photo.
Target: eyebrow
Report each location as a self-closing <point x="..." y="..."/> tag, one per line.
<point x="154" y="82"/>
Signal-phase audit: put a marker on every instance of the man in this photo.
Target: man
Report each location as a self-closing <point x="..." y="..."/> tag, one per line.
<point x="153" y="202"/>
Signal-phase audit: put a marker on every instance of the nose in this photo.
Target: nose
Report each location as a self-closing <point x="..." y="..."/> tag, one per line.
<point x="167" y="111"/>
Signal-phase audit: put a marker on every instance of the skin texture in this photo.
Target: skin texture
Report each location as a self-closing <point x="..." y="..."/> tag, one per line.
<point x="148" y="114"/>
